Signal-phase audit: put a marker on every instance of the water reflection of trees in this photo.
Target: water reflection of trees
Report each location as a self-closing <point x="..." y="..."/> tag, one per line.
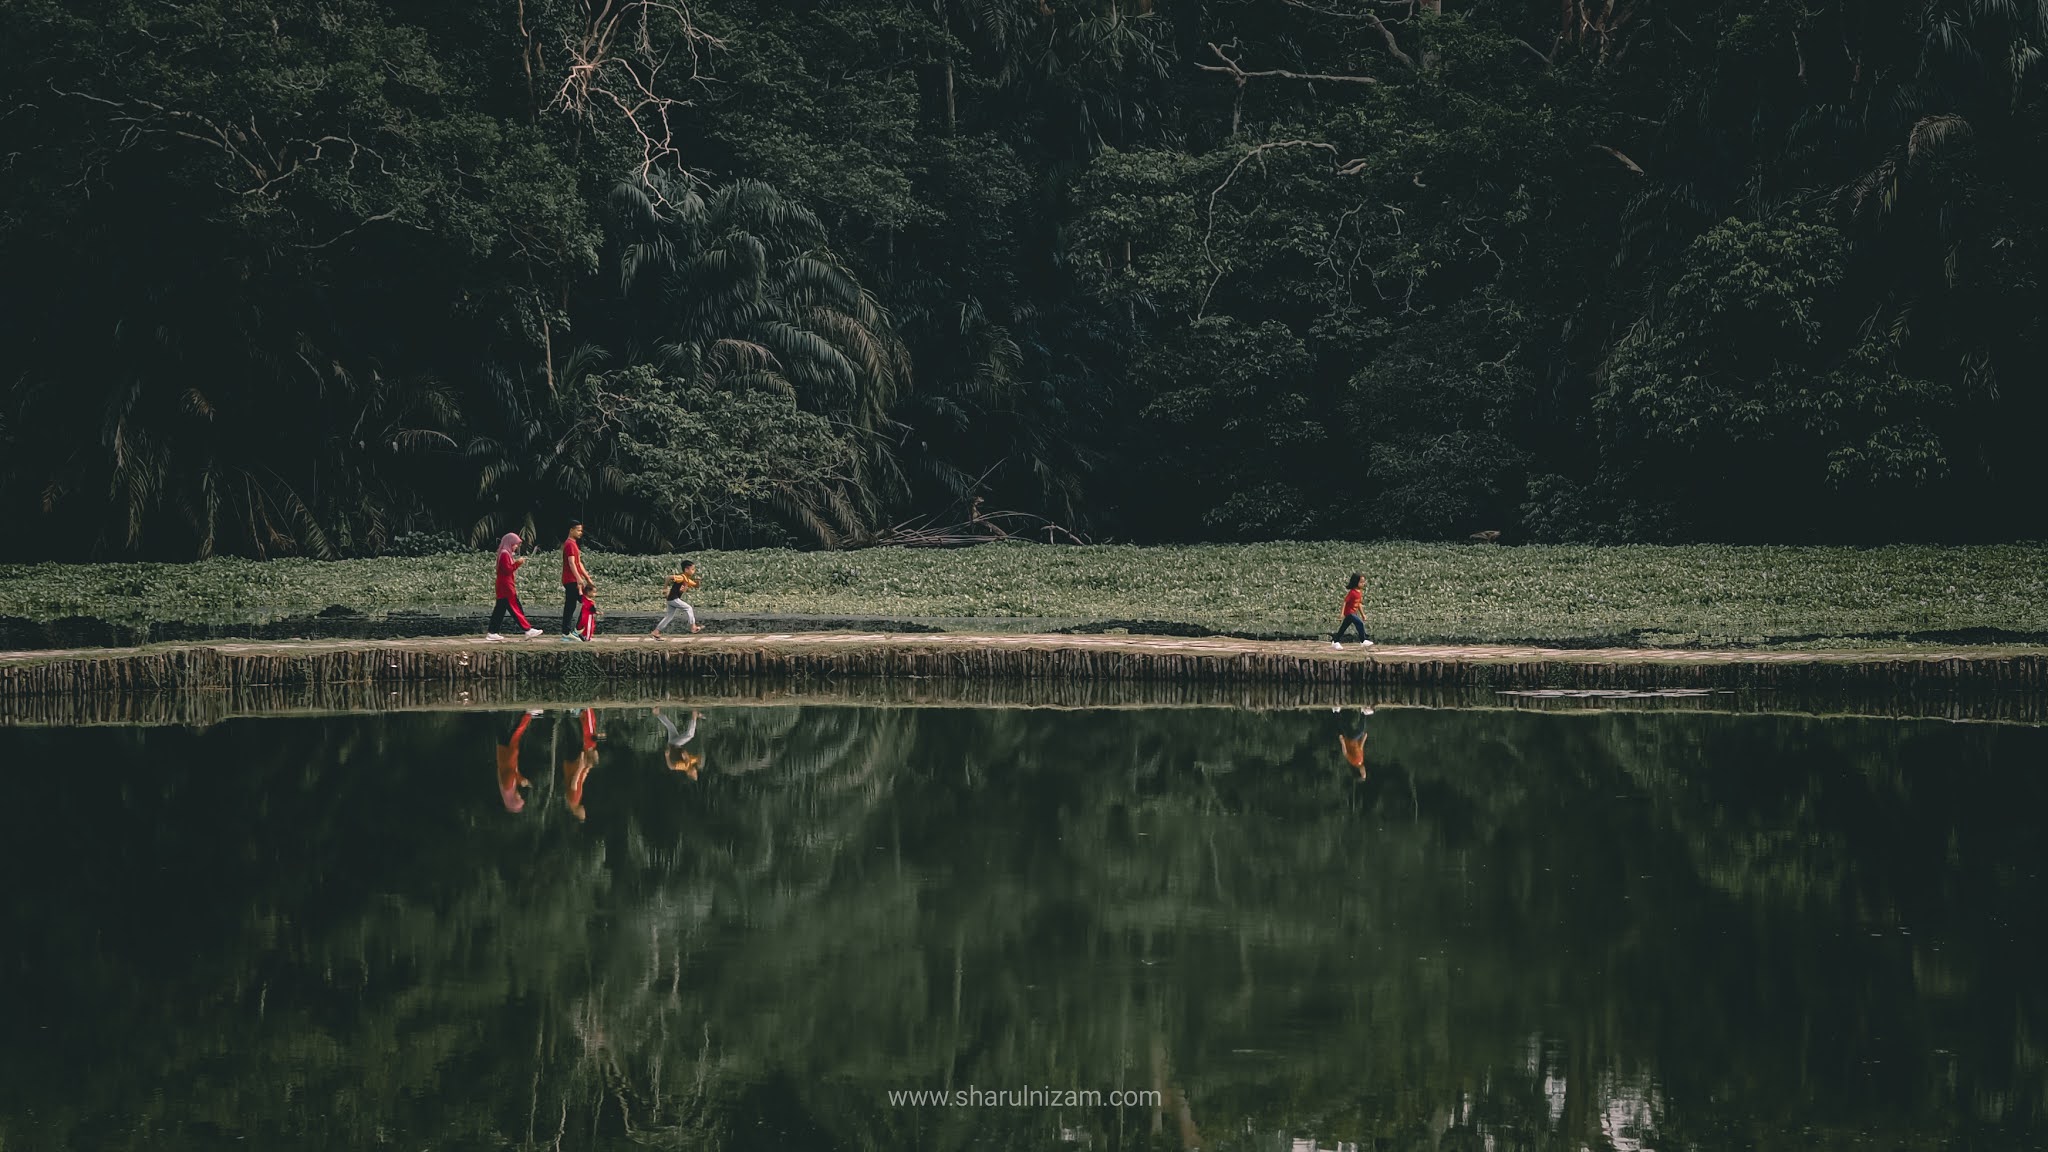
<point x="1521" y="932"/>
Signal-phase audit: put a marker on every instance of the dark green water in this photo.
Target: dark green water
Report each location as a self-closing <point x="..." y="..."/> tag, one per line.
<point x="1519" y="931"/>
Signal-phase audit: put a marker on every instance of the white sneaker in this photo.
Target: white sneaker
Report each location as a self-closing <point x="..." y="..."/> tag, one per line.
<point x="492" y="636"/>
<point x="1365" y="643"/>
<point x="1365" y="711"/>
<point x="1338" y="646"/>
<point x="532" y="632"/>
<point x="535" y="712"/>
<point x="572" y="638"/>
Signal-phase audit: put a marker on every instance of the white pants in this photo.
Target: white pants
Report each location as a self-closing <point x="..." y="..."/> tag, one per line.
<point x="676" y="739"/>
<point x="677" y="608"/>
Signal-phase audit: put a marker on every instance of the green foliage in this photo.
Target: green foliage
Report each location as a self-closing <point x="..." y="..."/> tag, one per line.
<point x="706" y="463"/>
<point x="306" y="276"/>
<point x="1744" y="363"/>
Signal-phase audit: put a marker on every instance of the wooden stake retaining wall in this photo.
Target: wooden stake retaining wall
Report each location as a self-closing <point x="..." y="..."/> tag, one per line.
<point x="346" y="670"/>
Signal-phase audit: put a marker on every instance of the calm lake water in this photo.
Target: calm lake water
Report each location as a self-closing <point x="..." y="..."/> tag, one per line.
<point x="1508" y="930"/>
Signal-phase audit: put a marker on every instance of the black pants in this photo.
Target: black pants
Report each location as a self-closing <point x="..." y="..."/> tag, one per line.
<point x="508" y="605"/>
<point x="1347" y="625"/>
<point x="572" y="607"/>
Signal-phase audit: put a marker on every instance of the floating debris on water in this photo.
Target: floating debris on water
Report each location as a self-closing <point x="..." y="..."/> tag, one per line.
<point x="1607" y="693"/>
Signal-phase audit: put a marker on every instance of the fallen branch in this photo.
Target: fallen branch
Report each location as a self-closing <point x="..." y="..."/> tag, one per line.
<point x="982" y="528"/>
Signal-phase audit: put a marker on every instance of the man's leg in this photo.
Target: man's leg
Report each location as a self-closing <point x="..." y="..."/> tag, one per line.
<point x="572" y="604"/>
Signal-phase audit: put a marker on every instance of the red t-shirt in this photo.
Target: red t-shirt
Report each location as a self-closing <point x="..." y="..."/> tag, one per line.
<point x="1354" y="602"/>
<point x="506" y="589"/>
<point x="569" y="554"/>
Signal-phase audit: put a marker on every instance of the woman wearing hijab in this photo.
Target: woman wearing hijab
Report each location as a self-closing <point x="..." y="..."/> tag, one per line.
<point x="509" y="561"/>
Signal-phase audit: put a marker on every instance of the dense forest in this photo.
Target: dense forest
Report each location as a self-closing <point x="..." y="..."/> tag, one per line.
<point x="337" y="277"/>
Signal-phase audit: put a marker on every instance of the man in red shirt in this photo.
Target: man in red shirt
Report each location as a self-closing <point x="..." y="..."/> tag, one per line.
<point x="574" y="576"/>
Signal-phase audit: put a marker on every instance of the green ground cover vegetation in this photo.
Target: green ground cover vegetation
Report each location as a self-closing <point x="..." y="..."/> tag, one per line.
<point x="1662" y="595"/>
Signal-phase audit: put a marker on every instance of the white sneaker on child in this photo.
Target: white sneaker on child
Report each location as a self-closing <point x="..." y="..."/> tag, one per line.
<point x="532" y="632"/>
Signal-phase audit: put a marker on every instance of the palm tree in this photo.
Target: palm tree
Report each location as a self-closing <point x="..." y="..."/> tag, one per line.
<point x="736" y="288"/>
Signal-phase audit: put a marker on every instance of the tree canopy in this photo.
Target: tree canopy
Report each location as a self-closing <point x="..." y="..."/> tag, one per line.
<point x="304" y="276"/>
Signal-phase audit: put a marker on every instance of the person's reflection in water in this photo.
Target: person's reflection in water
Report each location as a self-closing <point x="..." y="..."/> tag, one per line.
<point x="678" y="758"/>
<point x="576" y="771"/>
<point x="509" y="779"/>
<point x="1352" y="742"/>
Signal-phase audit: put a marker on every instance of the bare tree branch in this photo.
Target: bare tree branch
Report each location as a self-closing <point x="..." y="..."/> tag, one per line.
<point x="1230" y="67"/>
<point x="243" y="144"/>
<point x="345" y="233"/>
<point x="627" y="79"/>
<point x="1385" y="32"/>
<point x="1626" y="162"/>
<point x="1344" y="168"/>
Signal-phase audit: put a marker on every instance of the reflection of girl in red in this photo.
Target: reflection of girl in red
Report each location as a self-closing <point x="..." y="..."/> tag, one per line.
<point x="577" y="771"/>
<point x="509" y="779"/>
<point x="1353" y="743"/>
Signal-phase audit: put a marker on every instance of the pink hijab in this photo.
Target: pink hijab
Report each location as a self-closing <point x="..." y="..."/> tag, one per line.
<point x="509" y="542"/>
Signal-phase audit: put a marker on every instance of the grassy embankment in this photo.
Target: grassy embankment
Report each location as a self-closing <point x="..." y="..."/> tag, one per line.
<point x="1709" y="595"/>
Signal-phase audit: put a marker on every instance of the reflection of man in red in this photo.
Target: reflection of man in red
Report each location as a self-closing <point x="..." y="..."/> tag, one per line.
<point x="1353" y="744"/>
<point x="577" y="771"/>
<point x="509" y="779"/>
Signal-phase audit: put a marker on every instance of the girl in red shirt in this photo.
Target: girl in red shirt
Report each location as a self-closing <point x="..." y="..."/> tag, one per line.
<point x="586" y="620"/>
<point x="508" y="590"/>
<point x="1354" y="613"/>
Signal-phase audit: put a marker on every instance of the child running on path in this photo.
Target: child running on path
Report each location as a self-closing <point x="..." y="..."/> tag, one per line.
<point x="509" y="561"/>
<point x="678" y="584"/>
<point x="1354" y="613"/>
